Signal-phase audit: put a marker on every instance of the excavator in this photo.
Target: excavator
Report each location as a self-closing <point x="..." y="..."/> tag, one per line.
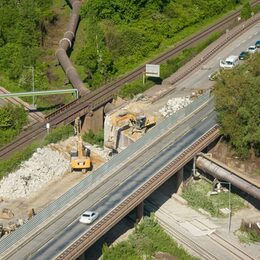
<point x="80" y="158"/>
<point x="136" y="123"/>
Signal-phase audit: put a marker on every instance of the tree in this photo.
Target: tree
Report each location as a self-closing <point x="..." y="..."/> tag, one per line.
<point x="238" y="105"/>
<point x="246" y="11"/>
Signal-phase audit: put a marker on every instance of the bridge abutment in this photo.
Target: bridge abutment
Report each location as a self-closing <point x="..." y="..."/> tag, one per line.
<point x="93" y="121"/>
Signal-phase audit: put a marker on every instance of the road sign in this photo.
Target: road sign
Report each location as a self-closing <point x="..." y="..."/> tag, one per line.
<point x="152" y="70"/>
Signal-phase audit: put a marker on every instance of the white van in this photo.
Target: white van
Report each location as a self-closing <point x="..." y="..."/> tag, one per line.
<point x="229" y="63"/>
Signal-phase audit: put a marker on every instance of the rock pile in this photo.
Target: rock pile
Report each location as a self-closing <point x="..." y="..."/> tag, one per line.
<point x="174" y="105"/>
<point x="45" y="165"/>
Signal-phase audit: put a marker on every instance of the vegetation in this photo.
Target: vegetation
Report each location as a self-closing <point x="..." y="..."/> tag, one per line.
<point x="22" y="30"/>
<point x="147" y="239"/>
<point x="172" y="65"/>
<point x="196" y="194"/>
<point x="120" y="35"/>
<point x="92" y="138"/>
<point x="12" y="120"/>
<point x="11" y="164"/>
<point x="247" y="237"/>
<point x="238" y="105"/>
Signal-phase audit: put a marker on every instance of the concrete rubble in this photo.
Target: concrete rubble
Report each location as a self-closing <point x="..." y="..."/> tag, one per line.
<point x="45" y="165"/>
<point x="173" y="105"/>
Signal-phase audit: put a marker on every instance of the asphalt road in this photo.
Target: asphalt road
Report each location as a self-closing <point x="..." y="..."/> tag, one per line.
<point x="199" y="78"/>
<point x="132" y="175"/>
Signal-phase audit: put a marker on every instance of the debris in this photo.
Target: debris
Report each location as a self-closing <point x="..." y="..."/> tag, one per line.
<point x="6" y="214"/>
<point x="173" y="105"/>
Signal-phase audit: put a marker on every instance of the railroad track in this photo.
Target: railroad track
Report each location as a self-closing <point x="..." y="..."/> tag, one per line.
<point x="34" y="116"/>
<point x="101" y="96"/>
<point x="130" y="202"/>
<point x="175" y="130"/>
<point x="230" y="249"/>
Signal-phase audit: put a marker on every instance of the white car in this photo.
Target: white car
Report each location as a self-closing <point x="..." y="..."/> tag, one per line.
<point x="252" y="49"/>
<point x="88" y="217"/>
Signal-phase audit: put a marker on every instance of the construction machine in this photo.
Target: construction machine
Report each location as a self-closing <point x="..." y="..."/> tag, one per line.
<point x="141" y="123"/>
<point x="80" y="158"/>
<point x="135" y="123"/>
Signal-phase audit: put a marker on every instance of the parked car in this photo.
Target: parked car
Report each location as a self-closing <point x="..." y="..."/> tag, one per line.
<point x="257" y="44"/>
<point x="243" y="55"/>
<point x="252" y="49"/>
<point x="88" y="217"/>
<point x="229" y="63"/>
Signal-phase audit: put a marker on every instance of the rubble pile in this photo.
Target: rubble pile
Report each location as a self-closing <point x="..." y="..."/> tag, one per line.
<point x="44" y="166"/>
<point x="174" y="105"/>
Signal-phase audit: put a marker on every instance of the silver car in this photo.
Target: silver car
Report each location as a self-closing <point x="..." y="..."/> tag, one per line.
<point x="88" y="217"/>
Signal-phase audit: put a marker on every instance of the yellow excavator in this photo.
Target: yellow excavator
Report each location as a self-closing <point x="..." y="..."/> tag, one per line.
<point x="80" y="158"/>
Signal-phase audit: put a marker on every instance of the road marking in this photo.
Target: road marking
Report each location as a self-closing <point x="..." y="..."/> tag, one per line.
<point x="238" y="45"/>
<point x="243" y="41"/>
<point x="250" y="36"/>
<point x="256" y="33"/>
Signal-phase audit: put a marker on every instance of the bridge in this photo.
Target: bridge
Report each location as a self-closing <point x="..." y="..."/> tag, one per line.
<point x="116" y="188"/>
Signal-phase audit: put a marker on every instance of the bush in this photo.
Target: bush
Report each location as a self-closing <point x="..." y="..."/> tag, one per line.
<point x="58" y="134"/>
<point x="12" y="120"/>
<point x="147" y="239"/>
<point x="92" y="138"/>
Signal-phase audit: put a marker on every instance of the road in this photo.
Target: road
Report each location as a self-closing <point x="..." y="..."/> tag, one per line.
<point x="122" y="183"/>
<point x="199" y="79"/>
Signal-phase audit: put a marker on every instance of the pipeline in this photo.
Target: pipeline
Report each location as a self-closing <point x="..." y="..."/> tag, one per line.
<point x="66" y="43"/>
<point x="220" y="173"/>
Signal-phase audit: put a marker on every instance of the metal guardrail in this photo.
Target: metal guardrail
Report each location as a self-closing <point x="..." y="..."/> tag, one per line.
<point x="41" y="93"/>
<point x="101" y="172"/>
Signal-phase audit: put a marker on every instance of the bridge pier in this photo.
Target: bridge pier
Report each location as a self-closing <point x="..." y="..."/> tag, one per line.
<point x="93" y="121"/>
<point x="139" y="211"/>
<point x="179" y="180"/>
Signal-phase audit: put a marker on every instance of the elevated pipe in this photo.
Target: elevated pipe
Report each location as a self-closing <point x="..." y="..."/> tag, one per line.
<point x="66" y="43"/>
<point x="222" y="174"/>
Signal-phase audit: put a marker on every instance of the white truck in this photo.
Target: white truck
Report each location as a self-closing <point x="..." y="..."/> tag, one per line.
<point x="229" y="63"/>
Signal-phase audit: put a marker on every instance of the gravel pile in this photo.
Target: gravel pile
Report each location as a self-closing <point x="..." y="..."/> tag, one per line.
<point x="174" y="105"/>
<point x="45" y="165"/>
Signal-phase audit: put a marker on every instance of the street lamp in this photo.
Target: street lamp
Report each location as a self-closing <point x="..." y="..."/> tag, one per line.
<point x="229" y="202"/>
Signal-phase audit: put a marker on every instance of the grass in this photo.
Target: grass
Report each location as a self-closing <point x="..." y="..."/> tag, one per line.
<point x="147" y="239"/>
<point x="92" y="138"/>
<point x="247" y="237"/>
<point x="12" y="163"/>
<point x="196" y="193"/>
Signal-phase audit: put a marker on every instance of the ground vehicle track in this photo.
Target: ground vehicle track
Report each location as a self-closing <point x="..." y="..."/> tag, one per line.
<point x="99" y="97"/>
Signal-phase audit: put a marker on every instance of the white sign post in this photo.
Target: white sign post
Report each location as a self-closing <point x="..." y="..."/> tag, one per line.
<point x="151" y="70"/>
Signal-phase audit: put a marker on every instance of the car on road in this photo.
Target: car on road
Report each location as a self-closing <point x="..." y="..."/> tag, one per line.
<point x="229" y="63"/>
<point x="244" y="55"/>
<point x="257" y="44"/>
<point x="88" y="217"/>
<point x="252" y="49"/>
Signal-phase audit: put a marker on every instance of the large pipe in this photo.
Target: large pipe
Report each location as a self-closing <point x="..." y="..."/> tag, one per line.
<point x="66" y="43"/>
<point x="222" y="174"/>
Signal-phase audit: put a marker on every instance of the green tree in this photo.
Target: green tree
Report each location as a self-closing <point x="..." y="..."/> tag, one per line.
<point x="246" y="11"/>
<point x="12" y="120"/>
<point x="238" y="105"/>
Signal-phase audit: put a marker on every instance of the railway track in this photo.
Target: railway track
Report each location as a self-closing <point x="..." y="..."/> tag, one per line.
<point x="226" y="247"/>
<point x="101" y="96"/>
<point x="130" y="202"/>
<point x="175" y="131"/>
<point x="33" y="116"/>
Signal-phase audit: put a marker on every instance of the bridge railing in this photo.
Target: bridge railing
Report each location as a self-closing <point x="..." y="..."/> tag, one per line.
<point x="67" y="198"/>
